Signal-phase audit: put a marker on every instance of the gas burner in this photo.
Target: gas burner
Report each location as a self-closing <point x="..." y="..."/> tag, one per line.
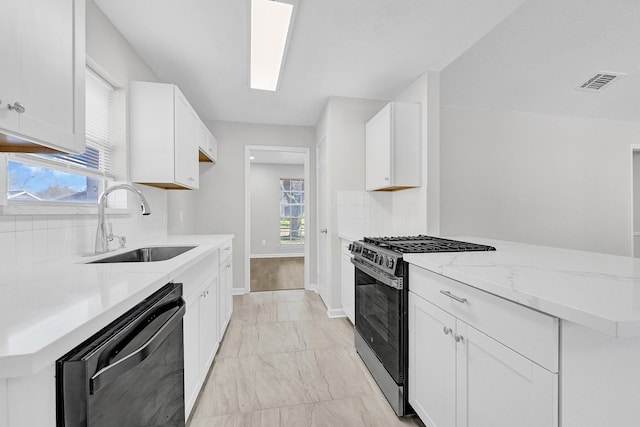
<point x="424" y="244"/>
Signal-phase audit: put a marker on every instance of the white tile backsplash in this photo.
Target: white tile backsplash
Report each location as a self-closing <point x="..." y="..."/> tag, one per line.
<point x="33" y="239"/>
<point x="362" y="213"/>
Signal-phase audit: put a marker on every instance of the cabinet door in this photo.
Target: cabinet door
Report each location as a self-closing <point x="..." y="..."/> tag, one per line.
<point x="43" y="51"/>
<point x="226" y="297"/>
<point x="208" y="326"/>
<point x="191" y="334"/>
<point x="348" y="287"/>
<point x="498" y="387"/>
<point x="378" y="150"/>
<point x="10" y="69"/>
<point x="432" y="363"/>
<point x="186" y="150"/>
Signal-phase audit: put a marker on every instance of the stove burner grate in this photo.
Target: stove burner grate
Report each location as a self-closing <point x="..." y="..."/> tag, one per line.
<point x="425" y="244"/>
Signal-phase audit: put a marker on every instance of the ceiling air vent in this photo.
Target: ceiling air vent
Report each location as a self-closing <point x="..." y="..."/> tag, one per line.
<point x="600" y="81"/>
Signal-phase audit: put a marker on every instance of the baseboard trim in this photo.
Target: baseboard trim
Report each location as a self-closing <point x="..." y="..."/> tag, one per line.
<point x="335" y="313"/>
<point x="283" y="255"/>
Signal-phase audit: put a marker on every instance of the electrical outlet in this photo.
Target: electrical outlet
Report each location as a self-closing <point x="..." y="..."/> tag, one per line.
<point x="264" y="243"/>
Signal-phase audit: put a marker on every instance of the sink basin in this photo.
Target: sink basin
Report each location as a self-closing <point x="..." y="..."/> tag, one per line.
<point x="150" y="254"/>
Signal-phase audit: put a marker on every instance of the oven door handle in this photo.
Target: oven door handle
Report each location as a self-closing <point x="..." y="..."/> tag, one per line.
<point x="391" y="281"/>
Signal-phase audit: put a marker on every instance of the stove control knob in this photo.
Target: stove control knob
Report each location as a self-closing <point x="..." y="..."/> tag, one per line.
<point x="390" y="263"/>
<point x="383" y="261"/>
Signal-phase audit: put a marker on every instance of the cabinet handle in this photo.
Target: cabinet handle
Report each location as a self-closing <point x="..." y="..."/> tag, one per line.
<point x="228" y="266"/>
<point x="450" y="295"/>
<point x="386" y="178"/>
<point x="458" y="338"/>
<point x="446" y="330"/>
<point x="323" y="230"/>
<point x="17" y="107"/>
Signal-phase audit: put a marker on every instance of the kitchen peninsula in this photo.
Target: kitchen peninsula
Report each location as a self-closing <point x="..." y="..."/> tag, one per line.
<point x="560" y="327"/>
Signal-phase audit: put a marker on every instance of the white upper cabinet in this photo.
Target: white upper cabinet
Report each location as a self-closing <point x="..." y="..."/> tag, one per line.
<point x="208" y="145"/>
<point x="393" y="148"/>
<point x="42" y="88"/>
<point x="164" y="136"/>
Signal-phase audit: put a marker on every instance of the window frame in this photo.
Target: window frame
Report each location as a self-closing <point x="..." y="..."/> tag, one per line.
<point x="17" y="207"/>
<point x="298" y="242"/>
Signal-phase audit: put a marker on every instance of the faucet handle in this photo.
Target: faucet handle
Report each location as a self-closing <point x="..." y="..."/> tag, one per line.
<point x="122" y="241"/>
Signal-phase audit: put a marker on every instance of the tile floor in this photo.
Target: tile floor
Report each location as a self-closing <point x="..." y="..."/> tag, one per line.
<point x="271" y="274"/>
<point x="283" y="363"/>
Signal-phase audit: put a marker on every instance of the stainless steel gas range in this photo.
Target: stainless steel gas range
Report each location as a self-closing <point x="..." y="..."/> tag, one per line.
<point x="381" y="319"/>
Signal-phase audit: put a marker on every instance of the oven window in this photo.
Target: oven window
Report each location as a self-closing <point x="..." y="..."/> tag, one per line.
<point x="379" y="320"/>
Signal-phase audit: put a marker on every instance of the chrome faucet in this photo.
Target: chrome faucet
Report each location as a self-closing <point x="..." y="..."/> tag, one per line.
<point x="102" y="237"/>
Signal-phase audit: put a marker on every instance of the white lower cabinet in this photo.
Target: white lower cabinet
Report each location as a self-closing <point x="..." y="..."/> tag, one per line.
<point x="348" y="282"/>
<point x="226" y="286"/>
<point x="462" y="377"/>
<point x="200" y="325"/>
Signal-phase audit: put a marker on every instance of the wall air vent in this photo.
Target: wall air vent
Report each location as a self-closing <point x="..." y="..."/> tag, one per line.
<point x="600" y="81"/>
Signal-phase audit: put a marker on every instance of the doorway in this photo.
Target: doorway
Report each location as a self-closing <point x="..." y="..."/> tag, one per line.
<point x="276" y="218"/>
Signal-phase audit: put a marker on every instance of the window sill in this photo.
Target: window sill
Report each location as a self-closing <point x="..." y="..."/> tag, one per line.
<point x="45" y="209"/>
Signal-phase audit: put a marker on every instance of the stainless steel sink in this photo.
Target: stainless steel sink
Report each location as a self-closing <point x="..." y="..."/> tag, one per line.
<point x="150" y="254"/>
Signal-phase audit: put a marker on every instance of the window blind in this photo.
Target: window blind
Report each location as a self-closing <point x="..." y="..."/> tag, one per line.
<point x="99" y="100"/>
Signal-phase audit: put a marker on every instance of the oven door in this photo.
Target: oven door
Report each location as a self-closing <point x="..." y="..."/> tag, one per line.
<point x="380" y="311"/>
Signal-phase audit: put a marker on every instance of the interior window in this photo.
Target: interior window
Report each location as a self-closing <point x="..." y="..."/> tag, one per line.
<point x="291" y="211"/>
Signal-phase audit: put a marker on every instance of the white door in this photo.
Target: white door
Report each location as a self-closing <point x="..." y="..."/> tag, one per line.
<point x="186" y="151"/>
<point x="498" y="387"/>
<point x="323" y="213"/>
<point x="208" y="325"/>
<point x="49" y="68"/>
<point x="10" y="69"/>
<point x="432" y="363"/>
<point x="378" y="150"/>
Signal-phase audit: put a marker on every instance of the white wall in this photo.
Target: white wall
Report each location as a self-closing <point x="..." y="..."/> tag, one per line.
<point x="36" y="235"/>
<point x="265" y="208"/>
<point x="417" y="210"/>
<point x="556" y="181"/>
<point x="343" y="125"/>
<point x="220" y="200"/>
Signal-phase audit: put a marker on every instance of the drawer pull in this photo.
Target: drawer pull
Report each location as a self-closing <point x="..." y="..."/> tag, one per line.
<point x="450" y="295"/>
<point x="458" y="338"/>
<point x="446" y="330"/>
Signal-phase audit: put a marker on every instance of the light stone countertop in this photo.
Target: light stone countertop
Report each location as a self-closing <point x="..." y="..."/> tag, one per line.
<point x="595" y="290"/>
<point x="49" y="309"/>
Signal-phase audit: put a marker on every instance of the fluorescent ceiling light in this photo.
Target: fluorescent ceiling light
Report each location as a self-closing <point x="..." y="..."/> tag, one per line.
<point x="269" y="27"/>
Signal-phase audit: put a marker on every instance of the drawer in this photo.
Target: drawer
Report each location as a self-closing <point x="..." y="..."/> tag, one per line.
<point x="226" y="250"/>
<point x="203" y="271"/>
<point x="533" y="334"/>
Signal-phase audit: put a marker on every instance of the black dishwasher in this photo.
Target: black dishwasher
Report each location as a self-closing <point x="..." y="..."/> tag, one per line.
<point x="130" y="373"/>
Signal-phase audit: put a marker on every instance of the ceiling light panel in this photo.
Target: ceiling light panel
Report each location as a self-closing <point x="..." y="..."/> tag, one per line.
<point x="269" y="27"/>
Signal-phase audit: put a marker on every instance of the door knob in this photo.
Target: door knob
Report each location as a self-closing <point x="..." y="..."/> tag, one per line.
<point x="323" y="230"/>
<point x="17" y="107"/>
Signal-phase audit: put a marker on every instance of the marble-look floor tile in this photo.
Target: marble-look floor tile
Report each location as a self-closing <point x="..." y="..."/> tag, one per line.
<point x="284" y="363"/>
<point x="341" y="371"/>
<point x="229" y="389"/>
<point x="292" y="295"/>
<point x="279" y="381"/>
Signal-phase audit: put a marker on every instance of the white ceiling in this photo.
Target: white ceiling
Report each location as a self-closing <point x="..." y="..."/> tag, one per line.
<point x="354" y="48"/>
<point x="534" y="59"/>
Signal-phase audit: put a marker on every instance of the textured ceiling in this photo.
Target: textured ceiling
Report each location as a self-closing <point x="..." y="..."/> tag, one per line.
<point x="353" y="48"/>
